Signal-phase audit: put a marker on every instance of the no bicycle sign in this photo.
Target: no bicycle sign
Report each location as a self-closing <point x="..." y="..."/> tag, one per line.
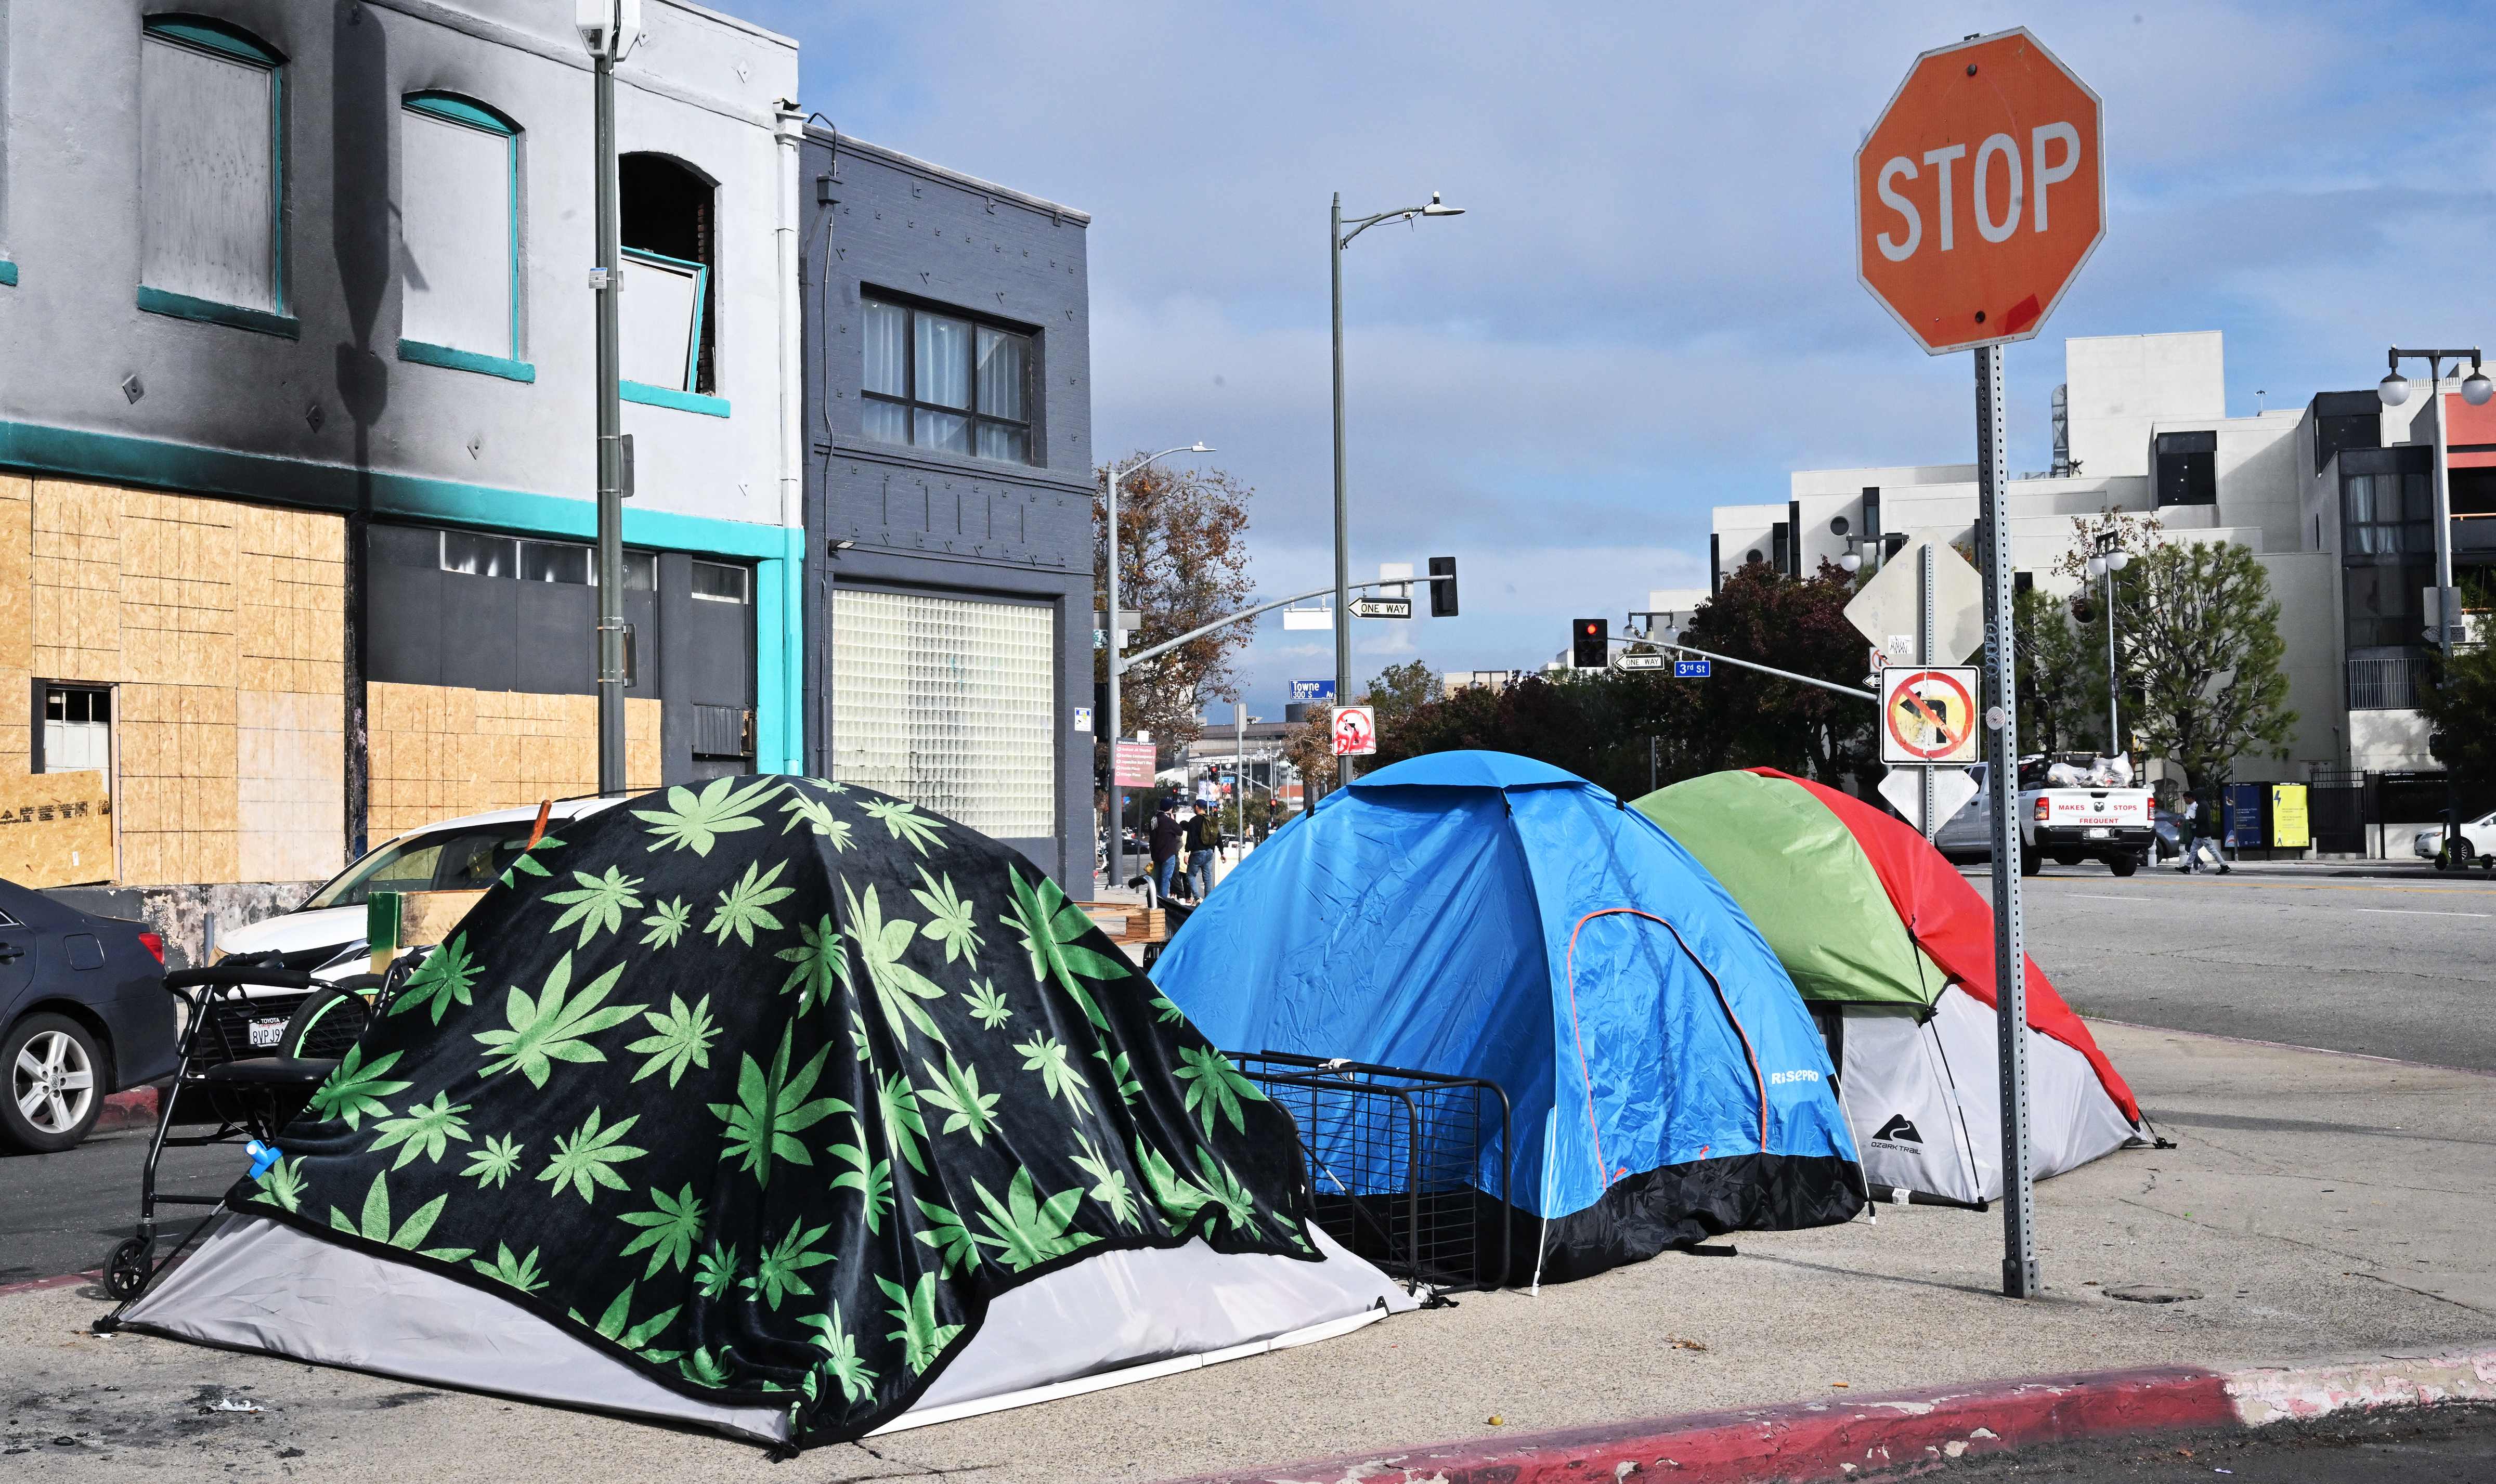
<point x="1928" y="714"/>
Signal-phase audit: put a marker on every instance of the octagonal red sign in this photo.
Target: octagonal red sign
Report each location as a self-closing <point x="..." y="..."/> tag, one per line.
<point x="1980" y="192"/>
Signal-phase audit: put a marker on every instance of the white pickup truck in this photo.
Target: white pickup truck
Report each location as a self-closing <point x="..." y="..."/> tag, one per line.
<point x="2066" y="825"/>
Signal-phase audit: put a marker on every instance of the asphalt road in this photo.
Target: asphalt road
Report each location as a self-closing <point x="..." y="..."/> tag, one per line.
<point x="2446" y="1446"/>
<point x="2403" y="969"/>
<point x="63" y="1212"/>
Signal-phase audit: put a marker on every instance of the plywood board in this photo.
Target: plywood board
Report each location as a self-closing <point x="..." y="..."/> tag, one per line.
<point x="55" y="830"/>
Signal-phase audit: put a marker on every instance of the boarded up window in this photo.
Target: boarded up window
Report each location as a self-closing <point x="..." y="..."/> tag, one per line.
<point x="208" y="169"/>
<point x="458" y="213"/>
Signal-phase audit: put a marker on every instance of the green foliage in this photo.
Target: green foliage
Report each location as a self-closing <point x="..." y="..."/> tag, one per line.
<point x="2199" y="637"/>
<point x="681" y="1038"/>
<point x="2062" y="674"/>
<point x="771" y="1109"/>
<point x="2459" y="701"/>
<point x="585" y="1159"/>
<point x="356" y="1087"/>
<point x="554" y="1026"/>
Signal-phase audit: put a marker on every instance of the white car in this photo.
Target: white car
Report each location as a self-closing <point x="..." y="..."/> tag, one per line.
<point x="2477" y="839"/>
<point x="326" y="935"/>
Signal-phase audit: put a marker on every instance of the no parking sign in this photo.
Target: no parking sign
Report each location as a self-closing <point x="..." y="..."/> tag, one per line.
<point x="1928" y="714"/>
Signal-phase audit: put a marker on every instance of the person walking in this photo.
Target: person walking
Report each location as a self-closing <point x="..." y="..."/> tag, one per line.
<point x="1165" y="842"/>
<point x="1201" y="833"/>
<point x="2195" y="842"/>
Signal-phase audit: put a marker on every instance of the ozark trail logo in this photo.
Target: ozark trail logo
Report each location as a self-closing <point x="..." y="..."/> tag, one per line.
<point x="1898" y="1130"/>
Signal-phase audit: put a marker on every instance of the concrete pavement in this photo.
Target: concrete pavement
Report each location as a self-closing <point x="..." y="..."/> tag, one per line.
<point x="2321" y="1205"/>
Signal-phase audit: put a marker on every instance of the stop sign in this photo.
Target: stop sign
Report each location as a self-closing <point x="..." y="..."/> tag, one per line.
<point x="1980" y="193"/>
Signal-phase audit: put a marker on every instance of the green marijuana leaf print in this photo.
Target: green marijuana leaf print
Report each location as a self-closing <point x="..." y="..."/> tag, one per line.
<point x="355" y="1087"/>
<point x="870" y="1177"/>
<point x="441" y="981"/>
<point x="520" y="1273"/>
<point x="957" y="1095"/>
<point x="703" y="1368"/>
<point x="1165" y="1011"/>
<point x="1027" y="1231"/>
<point x="599" y="905"/>
<point x="821" y="961"/>
<point x="951" y="924"/>
<point x="696" y="823"/>
<point x="921" y="1338"/>
<point x="585" y="1160"/>
<point x="1238" y="1204"/>
<point x="906" y="823"/>
<point x="424" y="1129"/>
<point x="552" y="1027"/>
<point x="777" y="1272"/>
<point x="282" y="1184"/>
<point x="528" y="863"/>
<point x="816" y="816"/>
<point x="1121" y="1078"/>
<point x="840" y="1348"/>
<point x="903" y="1127"/>
<point x="953" y="1243"/>
<point x="716" y="1271"/>
<point x="1052" y="928"/>
<point x="987" y="1007"/>
<point x="1044" y="1055"/>
<point x="1110" y="1188"/>
<point x="771" y="1110"/>
<point x="1179" y="1200"/>
<point x="373" y="1224"/>
<point x="616" y="1324"/>
<point x="494" y="1162"/>
<point x="899" y="987"/>
<point x="681" y="1038"/>
<point x="673" y="1225"/>
<point x="667" y="924"/>
<point x="1216" y="1088"/>
<point x="742" y="908"/>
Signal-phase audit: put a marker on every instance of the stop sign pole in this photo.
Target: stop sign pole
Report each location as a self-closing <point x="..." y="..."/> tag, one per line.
<point x="1977" y="195"/>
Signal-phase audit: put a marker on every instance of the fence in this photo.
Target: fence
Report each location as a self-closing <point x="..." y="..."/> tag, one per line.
<point x="2387" y="684"/>
<point x="2350" y="812"/>
<point x="1399" y="1168"/>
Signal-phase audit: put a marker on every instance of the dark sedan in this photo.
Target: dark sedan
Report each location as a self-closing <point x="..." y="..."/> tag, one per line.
<point x="84" y="1014"/>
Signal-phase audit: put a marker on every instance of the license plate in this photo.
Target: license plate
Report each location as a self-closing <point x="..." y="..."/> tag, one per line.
<point x="2099" y="833"/>
<point x="268" y="1032"/>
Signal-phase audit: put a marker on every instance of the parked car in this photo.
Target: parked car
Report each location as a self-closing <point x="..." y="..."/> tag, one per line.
<point x="2478" y="845"/>
<point x="2066" y="825"/>
<point x="84" y="1014"/>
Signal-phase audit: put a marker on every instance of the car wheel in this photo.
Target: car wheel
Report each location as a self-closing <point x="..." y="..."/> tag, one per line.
<point x="2123" y="865"/>
<point x="51" y="1084"/>
<point x="2031" y="863"/>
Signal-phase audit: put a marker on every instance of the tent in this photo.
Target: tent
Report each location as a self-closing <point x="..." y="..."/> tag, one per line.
<point x="782" y="1108"/>
<point x="1894" y="950"/>
<point x="1482" y="914"/>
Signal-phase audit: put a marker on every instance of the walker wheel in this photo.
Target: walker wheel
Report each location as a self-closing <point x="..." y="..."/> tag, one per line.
<point x="125" y="1271"/>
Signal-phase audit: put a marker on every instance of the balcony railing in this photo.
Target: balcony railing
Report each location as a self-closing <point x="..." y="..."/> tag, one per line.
<point x="2385" y="684"/>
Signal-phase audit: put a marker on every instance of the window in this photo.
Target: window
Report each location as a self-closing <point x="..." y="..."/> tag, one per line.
<point x="459" y="212"/>
<point x="941" y="382"/>
<point x="448" y="860"/>
<point x="2188" y="469"/>
<point x="77" y="731"/>
<point x="2386" y="555"/>
<point x="211" y="176"/>
<point x="670" y="330"/>
<point x="720" y="582"/>
<point x="1781" y="538"/>
<point x="950" y="704"/>
<point x="1871" y="511"/>
<point x="474" y="554"/>
<point x="2387" y="515"/>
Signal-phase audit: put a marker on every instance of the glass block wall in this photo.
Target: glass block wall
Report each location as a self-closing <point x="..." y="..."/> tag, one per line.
<point x="948" y="704"/>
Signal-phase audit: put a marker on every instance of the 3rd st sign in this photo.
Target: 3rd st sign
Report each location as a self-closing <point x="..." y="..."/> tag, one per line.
<point x="1980" y="193"/>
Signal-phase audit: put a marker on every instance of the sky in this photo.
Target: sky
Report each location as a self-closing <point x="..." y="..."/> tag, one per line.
<point x="1650" y="307"/>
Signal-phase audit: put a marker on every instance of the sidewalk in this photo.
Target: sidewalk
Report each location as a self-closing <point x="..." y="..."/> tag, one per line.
<point x="2322" y="1206"/>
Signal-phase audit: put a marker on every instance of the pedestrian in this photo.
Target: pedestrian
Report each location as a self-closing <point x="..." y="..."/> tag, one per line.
<point x="1165" y="842"/>
<point x="2195" y="842"/>
<point x="1202" y="833"/>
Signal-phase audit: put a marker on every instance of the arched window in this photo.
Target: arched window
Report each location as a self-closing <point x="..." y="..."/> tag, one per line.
<point x="211" y="174"/>
<point x="667" y="212"/>
<point x="458" y="209"/>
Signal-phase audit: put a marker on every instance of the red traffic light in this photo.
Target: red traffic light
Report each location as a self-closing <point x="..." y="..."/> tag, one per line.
<point x="1587" y="644"/>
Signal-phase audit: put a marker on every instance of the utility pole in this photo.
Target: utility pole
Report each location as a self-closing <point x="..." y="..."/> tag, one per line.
<point x="609" y="28"/>
<point x="1342" y="549"/>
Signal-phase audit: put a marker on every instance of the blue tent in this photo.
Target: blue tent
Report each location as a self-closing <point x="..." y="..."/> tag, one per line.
<point x="1482" y="914"/>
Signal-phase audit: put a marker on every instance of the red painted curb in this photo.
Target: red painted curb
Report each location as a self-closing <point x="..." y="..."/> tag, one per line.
<point x="1803" y="1439"/>
<point x="133" y="1109"/>
<point x="37" y="1284"/>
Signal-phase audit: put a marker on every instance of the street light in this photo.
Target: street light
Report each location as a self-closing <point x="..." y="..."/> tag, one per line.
<point x="609" y="29"/>
<point x="2475" y="390"/>
<point x="2102" y="563"/>
<point x="1118" y="665"/>
<point x="1338" y="240"/>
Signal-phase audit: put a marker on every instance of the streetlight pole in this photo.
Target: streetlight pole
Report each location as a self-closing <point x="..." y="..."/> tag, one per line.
<point x="1118" y="665"/>
<point x="1337" y="239"/>
<point x="2108" y="559"/>
<point x="2475" y="390"/>
<point x="609" y="29"/>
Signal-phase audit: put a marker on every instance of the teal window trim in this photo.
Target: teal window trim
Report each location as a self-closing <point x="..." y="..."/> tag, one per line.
<point x="218" y="37"/>
<point x="667" y="397"/>
<point x="702" y="296"/>
<point x="8" y="274"/>
<point x="452" y="360"/>
<point x="182" y="306"/>
<point x="469" y="112"/>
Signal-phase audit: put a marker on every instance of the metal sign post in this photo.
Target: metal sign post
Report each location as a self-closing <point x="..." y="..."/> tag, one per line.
<point x="1925" y="656"/>
<point x="2019" y="1278"/>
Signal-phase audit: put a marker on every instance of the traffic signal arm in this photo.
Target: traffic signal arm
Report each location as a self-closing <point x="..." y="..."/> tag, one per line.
<point x="1125" y="663"/>
<point x="1859" y="693"/>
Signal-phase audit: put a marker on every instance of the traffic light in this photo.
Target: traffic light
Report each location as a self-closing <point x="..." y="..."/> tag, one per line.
<point x="1442" y="595"/>
<point x="1588" y="647"/>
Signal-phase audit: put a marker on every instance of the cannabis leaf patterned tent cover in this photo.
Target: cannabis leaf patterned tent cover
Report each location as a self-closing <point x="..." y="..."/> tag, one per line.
<point x="769" y="1089"/>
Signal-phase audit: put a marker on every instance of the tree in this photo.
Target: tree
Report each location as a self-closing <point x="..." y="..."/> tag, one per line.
<point x="1795" y="624"/>
<point x="2459" y="703"/>
<point x="1396" y="693"/>
<point x="1182" y="562"/>
<point x="2201" y="641"/>
<point x="2059" y="674"/>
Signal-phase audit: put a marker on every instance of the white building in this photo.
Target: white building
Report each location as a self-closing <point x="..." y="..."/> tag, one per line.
<point x="2335" y="499"/>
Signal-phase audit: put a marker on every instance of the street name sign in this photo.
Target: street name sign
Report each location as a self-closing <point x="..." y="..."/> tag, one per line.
<point x="1356" y="731"/>
<point x="1928" y="714"/>
<point x="1135" y="764"/>
<point x="1693" y="670"/>
<point x="1312" y="690"/>
<point x="1980" y="192"/>
<point x="1640" y="662"/>
<point x="1885" y="611"/>
<point x="1904" y="788"/>
<point x="1382" y="607"/>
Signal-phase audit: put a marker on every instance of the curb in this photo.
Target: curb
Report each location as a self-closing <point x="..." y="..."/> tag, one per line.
<point x="1807" y="1440"/>
<point x="133" y="1109"/>
<point x="62" y="1281"/>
